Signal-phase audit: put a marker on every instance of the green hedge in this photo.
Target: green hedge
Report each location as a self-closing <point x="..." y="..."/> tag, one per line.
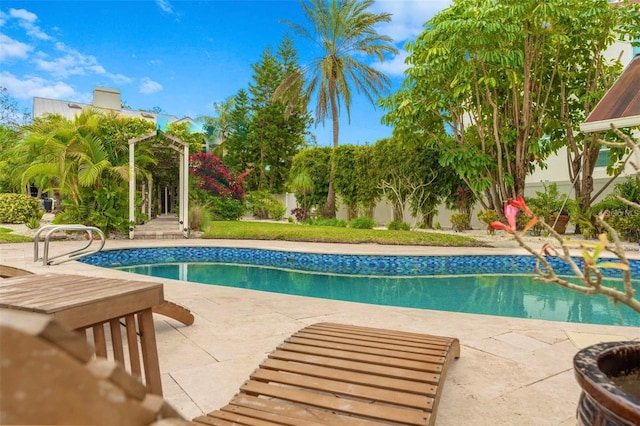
<point x="19" y="208"/>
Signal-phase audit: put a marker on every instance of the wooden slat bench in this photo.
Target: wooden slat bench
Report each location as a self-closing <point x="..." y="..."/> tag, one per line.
<point x="334" y="374"/>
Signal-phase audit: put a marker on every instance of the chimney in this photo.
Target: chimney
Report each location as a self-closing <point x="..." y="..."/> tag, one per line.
<point x="104" y="97"/>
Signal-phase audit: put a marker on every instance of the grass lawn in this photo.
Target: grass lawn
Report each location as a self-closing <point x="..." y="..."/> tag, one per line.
<point x="6" y="236"/>
<point x="326" y="234"/>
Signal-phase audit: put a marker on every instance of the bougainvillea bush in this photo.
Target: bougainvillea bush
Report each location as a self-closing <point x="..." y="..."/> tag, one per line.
<point x="213" y="177"/>
<point x="219" y="189"/>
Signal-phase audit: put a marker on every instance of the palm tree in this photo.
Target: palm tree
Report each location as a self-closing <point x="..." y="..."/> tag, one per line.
<point x="216" y="128"/>
<point x="344" y="31"/>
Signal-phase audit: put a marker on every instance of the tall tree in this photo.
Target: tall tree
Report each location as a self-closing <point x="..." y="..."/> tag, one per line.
<point x="357" y="179"/>
<point x="491" y="73"/>
<point x="274" y="137"/>
<point x="580" y="88"/>
<point x="344" y="31"/>
<point x="10" y="116"/>
<point x="238" y="156"/>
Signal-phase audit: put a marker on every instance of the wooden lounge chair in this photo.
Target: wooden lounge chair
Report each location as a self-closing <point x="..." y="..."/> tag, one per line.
<point x="51" y="376"/>
<point x="335" y="374"/>
<point x="167" y="308"/>
<point x="325" y="374"/>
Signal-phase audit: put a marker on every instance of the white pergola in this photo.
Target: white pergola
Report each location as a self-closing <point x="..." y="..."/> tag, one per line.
<point x="182" y="148"/>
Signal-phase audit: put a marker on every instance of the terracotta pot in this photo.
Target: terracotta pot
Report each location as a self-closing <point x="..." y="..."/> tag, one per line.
<point x="602" y="401"/>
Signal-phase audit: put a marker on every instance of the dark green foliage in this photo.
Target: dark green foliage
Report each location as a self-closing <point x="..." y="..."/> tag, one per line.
<point x="239" y="155"/>
<point x="226" y="208"/>
<point x="263" y="205"/>
<point x="9" y="137"/>
<point x="316" y="163"/>
<point x="550" y="202"/>
<point x="336" y="223"/>
<point x="622" y="217"/>
<point x="362" y="223"/>
<point x="356" y="179"/>
<point x="261" y="135"/>
<point x="510" y="84"/>
<point x="106" y="208"/>
<point x="460" y="222"/>
<point x="19" y="208"/>
<point x="395" y="225"/>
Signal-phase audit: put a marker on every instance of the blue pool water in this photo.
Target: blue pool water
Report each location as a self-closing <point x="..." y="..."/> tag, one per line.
<point x="494" y="285"/>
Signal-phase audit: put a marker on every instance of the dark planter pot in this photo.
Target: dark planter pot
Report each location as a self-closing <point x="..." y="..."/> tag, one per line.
<point x="602" y="401"/>
<point x="559" y="225"/>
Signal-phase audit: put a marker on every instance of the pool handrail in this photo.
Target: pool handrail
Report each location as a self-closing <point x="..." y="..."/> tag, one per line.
<point x="73" y="254"/>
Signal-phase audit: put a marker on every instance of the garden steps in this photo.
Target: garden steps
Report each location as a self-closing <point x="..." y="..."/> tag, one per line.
<point x="163" y="227"/>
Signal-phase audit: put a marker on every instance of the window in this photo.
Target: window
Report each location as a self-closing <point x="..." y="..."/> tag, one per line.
<point x="603" y="158"/>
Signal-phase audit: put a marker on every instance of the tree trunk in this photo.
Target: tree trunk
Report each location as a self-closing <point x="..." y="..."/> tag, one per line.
<point x="330" y="207"/>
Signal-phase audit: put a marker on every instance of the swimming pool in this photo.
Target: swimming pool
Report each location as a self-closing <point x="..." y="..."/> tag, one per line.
<point x="494" y="285"/>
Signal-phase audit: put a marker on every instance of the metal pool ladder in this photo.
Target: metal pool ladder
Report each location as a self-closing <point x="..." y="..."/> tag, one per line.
<point x="69" y="255"/>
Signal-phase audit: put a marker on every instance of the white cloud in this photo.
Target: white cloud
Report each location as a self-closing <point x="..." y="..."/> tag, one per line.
<point x="26" y="20"/>
<point x="407" y="22"/>
<point x="148" y="86"/>
<point x="27" y="88"/>
<point x="395" y="67"/>
<point x="10" y="48"/>
<point x="408" y="16"/>
<point x="73" y="63"/>
<point x="165" y="6"/>
<point x="23" y="15"/>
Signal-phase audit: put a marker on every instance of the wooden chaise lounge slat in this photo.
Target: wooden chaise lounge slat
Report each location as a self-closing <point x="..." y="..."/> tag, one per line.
<point x="357" y="379"/>
<point x="334" y="374"/>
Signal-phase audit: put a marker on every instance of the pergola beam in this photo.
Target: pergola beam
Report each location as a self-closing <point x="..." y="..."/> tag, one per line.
<point x="183" y="186"/>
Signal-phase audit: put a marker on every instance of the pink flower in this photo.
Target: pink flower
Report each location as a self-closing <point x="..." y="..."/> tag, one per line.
<point x="511" y="209"/>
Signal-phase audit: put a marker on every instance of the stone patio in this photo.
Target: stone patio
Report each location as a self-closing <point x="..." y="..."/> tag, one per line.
<point x="511" y="371"/>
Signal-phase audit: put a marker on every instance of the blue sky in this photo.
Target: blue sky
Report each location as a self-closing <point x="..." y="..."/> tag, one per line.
<point x="179" y="55"/>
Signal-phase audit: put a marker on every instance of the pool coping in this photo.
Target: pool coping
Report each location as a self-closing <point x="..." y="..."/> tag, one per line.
<point x="511" y="371"/>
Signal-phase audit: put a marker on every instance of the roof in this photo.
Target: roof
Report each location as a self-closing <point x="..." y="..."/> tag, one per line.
<point x="620" y="106"/>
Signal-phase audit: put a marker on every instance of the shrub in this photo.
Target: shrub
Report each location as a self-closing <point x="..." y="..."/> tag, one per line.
<point x="199" y="217"/>
<point x="362" y="223"/>
<point x="460" y="222"/>
<point x="265" y="206"/>
<point x="213" y="177"/>
<point x="18" y="208"/>
<point x="33" y="223"/>
<point x="336" y="223"/>
<point x="227" y="208"/>
<point x="300" y="213"/>
<point x="488" y="217"/>
<point x="397" y="225"/>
